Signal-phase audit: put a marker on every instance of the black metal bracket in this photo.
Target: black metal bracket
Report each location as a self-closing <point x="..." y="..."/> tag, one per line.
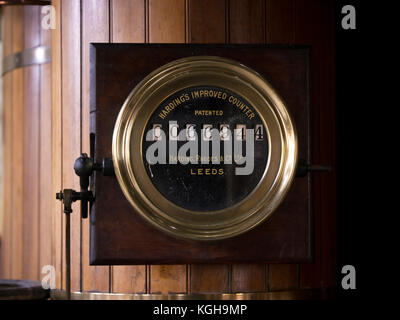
<point x="303" y="168"/>
<point x="68" y="196"/>
<point x="84" y="168"/>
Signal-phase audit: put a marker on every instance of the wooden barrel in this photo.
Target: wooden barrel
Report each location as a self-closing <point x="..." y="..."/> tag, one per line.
<point x="27" y="228"/>
<point x="41" y="147"/>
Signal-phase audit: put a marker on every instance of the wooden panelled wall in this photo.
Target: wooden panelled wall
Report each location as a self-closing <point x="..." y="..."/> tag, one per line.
<point x="28" y="232"/>
<point x="80" y="22"/>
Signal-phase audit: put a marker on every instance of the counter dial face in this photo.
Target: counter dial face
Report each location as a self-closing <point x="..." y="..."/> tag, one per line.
<point x="228" y="134"/>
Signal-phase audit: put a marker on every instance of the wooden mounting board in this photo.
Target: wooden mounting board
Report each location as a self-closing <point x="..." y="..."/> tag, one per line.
<point x="119" y="236"/>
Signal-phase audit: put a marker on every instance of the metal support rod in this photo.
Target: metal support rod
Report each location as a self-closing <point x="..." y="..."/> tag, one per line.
<point x="68" y="254"/>
<point x="84" y="168"/>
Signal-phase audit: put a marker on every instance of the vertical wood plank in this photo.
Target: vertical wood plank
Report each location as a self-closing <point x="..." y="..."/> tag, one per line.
<point x="7" y="191"/>
<point x="6" y="241"/>
<point x="129" y="279"/>
<point x="283" y="277"/>
<point x="207" y="21"/>
<point x="71" y="119"/>
<point x="280" y="30"/>
<point x="167" y="279"/>
<point x="249" y="278"/>
<point x="128" y="25"/>
<point x="280" y="21"/>
<point x="17" y="169"/>
<point x="314" y="26"/>
<point x="7" y="25"/>
<point x="246" y="21"/>
<point x="17" y="150"/>
<point x="95" y="28"/>
<point x="166" y="21"/>
<point x="128" y="21"/>
<point x="56" y="145"/>
<point x="46" y="218"/>
<point x="247" y="25"/>
<point x="30" y="119"/>
<point x="210" y="278"/>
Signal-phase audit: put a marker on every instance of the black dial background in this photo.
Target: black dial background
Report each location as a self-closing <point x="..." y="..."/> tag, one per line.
<point x="205" y="192"/>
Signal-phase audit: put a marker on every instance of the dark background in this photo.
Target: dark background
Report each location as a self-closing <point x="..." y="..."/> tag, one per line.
<point x="355" y="104"/>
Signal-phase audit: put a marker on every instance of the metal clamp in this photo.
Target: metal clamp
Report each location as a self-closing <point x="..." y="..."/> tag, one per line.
<point x="84" y="168"/>
<point x="27" y="57"/>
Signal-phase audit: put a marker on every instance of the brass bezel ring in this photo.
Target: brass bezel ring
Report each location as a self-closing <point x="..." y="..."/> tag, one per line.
<point x="129" y="131"/>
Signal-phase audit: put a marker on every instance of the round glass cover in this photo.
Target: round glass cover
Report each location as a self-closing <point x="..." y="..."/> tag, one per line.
<point x="204" y="148"/>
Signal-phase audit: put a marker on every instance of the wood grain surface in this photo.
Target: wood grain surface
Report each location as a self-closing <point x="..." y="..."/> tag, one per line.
<point x="59" y="132"/>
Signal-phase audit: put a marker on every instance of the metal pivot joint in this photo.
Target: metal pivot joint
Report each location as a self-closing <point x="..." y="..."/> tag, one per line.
<point x="84" y="167"/>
